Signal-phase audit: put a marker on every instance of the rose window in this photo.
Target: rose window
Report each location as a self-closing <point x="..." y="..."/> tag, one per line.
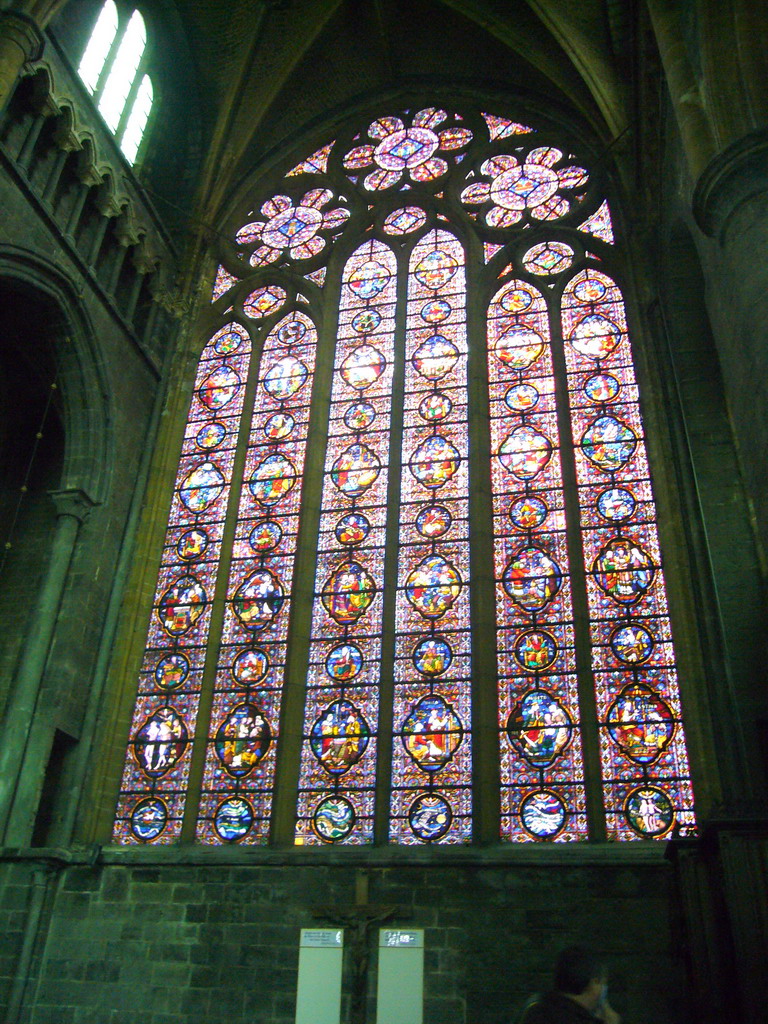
<point x="295" y="228"/>
<point x="396" y="149"/>
<point x="512" y="187"/>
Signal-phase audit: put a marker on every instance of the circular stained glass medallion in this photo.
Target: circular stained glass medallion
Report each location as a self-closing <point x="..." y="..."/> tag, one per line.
<point x="272" y="479"/>
<point x="435" y="406"/>
<point x="535" y="650"/>
<point x="548" y="258"/>
<point x="624" y="570"/>
<point x="405" y="220"/>
<point x="532" y="579"/>
<point x="432" y="656"/>
<point x="649" y="812"/>
<point x="265" y="536"/>
<point x="344" y="662"/>
<point x="543" y="814"/>
<point x="407" y="147"/>
<point x="516" y="300"/>
<point x="285" y="377"/>
<point x="339" y="736"/>
<point x="435" y="311"/>
<point x="292" y="332"/>
<point x="352" y="529"/>
<point x="595" y="336"/>
<point x="279" y="426"/>
<point x="264" y="301"/>
<point x="292" y="227"/>
<point x="540" y="728"/>
<point x="210" y="435"/>
<point x="227" y="342"/>
<point x="433" y="521"/>
<point x="608" y="443"/>
<point x="258" y="600"/>
<point x="601" y="387"/>
<point x="160" y="742"/>
<point x="148" y="819"/>
<point x="369" y="279"/>
<point x="250" y="666"/>
<point x="431" y="733"/>
<point x="201" y="487"/>
<point x="348" y="592"/>
<point x="631" y="644"/>
<point x="242" y="740"/>
<point x="181" y="605"/>
<point x="434" y="462"/>
<point x="589" y="289"/>
<point x="359" y="416"/>
<point x="521" y="397"/>
<point x="528" y="513"/>
<point x="355" y="470"/>
<point x="366" y="320"/>
<point x="363" y="367"/>
<point x="430" y="817"/>
<point x="171" y="671"/>
<point x="525" y="452"/>
<point x="192" y="543"/>
<point x="433" y="586"/>
<point x="616" y="504"/>
<point x="435" y="357"/>
<point x="519" y="347"/>
<point x="233" y="819"/>
<point x="640" y="723"/>
<point x="334" y="819"/>
<point x="436" y="269"/>
<point x="219" y="388"/>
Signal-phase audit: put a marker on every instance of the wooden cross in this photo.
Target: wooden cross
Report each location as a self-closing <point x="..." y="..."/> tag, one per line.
<point x="358" y="919"/>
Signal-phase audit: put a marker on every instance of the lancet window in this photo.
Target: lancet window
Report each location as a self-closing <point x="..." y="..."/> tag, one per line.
<point x="412" y="544"/>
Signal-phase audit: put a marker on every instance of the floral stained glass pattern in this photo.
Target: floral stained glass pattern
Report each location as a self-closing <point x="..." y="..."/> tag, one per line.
<point x="646" y="780"/>
<point x="298" y="229"/>
<point x="243" y="737"/>
<point x="420" y="152"/>
<point x="153" y="790"/>
<point x="338" y="761"/>
<point x="541" y="761"/>
<point x="431" y="755"/>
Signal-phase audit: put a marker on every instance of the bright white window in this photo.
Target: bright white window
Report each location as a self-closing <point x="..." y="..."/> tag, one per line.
<point x="110" y="70"/>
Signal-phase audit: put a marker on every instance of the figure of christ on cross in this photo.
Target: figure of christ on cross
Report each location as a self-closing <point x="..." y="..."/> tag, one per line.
<point x="357" y="920"/>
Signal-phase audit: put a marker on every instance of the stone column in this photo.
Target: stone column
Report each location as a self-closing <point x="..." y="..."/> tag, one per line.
<point x="730" y="204"/>
<point x="20" y="41"/>
<point x="72" y="507"/>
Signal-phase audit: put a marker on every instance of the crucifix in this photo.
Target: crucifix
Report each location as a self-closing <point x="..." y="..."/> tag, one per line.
<point x="358" y="919"/>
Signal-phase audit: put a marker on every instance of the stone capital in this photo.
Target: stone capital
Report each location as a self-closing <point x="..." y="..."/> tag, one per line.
<point x="736" y="175"/>
<point x="22" y="30"/>
<point x="71" y="501"/>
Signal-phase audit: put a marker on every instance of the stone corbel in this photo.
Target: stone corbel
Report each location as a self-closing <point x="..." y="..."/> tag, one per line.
<point x="736" y="175"/>
<point x="87" y="171"/>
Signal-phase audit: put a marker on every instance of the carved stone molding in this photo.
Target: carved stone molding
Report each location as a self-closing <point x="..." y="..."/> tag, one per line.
<point x="72" y="501"/>
<point x="736" y="175"/>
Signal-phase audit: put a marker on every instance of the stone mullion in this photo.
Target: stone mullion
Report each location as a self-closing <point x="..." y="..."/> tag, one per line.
<point x="386" y="725"/>
<point x="291" y="732"/>
<point x="587" y="710"/>
<point x="218" y="605"/>
<point x="485" y="727"/>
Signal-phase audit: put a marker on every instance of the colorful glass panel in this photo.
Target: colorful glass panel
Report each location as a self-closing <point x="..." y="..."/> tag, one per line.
<point x="599" y="224"/>
<point x="224" y="281"/>
<point x="338" y="761"/>
<point x="153" y="789"/>
<point x="542" y="794"/>
<point x="431" y="752"/>
<point x="243" y="737"/>
<point x="646" y="779"/>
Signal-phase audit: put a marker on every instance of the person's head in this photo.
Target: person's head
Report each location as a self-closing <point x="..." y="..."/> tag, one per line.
<point x="580" y="974"/>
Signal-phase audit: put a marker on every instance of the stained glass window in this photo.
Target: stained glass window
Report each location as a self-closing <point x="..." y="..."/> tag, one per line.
<point x="110" y="70"/>
<point x="459" y="346"/>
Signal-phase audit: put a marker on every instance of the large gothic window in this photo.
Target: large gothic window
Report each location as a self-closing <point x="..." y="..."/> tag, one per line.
<point x="412" y="570"/>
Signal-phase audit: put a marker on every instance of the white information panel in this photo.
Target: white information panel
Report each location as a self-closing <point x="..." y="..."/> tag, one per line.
<point x="400" y="998"/>
<point x="318" y="991"/>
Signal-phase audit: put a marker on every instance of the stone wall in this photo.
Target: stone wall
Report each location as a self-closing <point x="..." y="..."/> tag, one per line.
<point x="140" y="935"/>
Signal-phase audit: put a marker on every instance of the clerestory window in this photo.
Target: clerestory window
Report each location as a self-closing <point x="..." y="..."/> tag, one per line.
<point x="412" y="569"/>
<point x="112" y="70"/>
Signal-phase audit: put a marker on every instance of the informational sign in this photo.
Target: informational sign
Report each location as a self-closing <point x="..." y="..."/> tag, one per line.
<point x="401" y="977"/>
<point x="318" y="991"/>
